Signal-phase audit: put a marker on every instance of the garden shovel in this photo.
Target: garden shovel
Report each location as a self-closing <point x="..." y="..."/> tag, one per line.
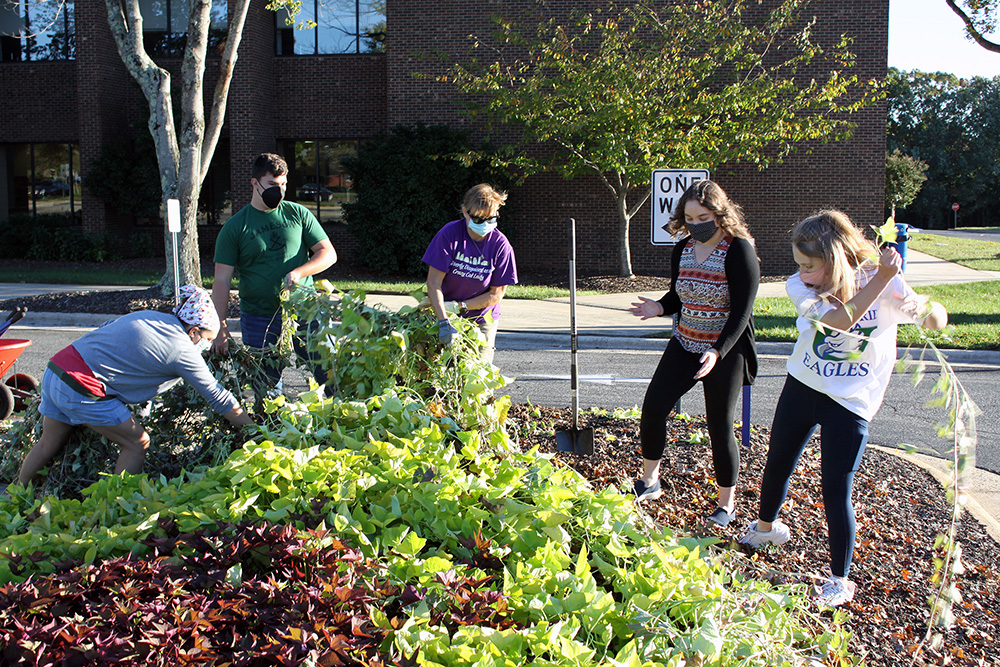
<point x="576" y="440"/>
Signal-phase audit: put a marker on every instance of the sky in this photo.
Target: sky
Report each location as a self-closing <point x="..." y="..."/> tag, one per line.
<point x="927" y="35"/>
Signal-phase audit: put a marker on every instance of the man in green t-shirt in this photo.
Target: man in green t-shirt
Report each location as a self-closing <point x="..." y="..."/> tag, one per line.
<point x="273" y="244"/>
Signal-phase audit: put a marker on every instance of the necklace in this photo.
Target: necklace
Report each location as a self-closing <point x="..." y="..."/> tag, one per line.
<point x="478" y="247"/>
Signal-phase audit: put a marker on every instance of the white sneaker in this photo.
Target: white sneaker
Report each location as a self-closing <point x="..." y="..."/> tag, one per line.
<point x="750" y="536"/>
<point x="835" y="592"/>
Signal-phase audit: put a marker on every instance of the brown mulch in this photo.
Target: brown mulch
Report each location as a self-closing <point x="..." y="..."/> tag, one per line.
<point x="900" y="508"/>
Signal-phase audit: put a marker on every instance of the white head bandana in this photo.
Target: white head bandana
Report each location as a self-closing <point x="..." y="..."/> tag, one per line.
<point x="197" y="308"/>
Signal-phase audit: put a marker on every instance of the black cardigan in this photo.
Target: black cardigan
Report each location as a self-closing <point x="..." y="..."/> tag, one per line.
<point x="743" y="277"/>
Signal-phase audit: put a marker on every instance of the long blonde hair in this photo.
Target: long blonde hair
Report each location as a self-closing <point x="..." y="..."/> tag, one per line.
<point x="831" y="236"/>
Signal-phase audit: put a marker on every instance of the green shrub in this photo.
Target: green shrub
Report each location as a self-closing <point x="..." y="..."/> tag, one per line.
<point x="58" y="238"/>
<point x="15" y="235"/>
<point x="410" y="182"/>
<point x="141" y="244"/>
<point x="125" y="176"/>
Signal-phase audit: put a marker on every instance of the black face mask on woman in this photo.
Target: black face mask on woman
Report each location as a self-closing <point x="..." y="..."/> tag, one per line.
<point x="701" y="231"/>
<point x="272" y="196"/>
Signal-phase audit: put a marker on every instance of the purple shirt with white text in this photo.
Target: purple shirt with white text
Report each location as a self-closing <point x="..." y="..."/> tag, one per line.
<point x="471" y="267"/>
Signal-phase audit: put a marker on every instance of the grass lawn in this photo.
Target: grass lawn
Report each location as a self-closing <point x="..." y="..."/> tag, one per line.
<point x="514" y="292"/>
<point x="973" y="317"/>
<point x="85" y="276"/>
<point x="97" y="276"/>
<point x="970" y="252"/>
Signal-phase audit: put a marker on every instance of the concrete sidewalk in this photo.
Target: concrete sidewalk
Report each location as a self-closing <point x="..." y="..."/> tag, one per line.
<point x="604" y="322"/>
<point x="607" y="315"/>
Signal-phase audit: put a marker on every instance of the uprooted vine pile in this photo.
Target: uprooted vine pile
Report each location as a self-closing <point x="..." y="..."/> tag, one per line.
<point x="403" y="526"/>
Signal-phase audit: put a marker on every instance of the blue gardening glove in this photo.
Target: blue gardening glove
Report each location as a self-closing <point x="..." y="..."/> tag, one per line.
<point x="446" y="332"/>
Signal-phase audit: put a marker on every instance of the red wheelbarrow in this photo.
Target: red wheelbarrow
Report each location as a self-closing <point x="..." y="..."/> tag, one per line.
<point x="16" y="389"/>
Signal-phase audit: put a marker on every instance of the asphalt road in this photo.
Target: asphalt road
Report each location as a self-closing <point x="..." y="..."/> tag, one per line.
<point x="613" y="378"/>
<point x="618" y="378"/>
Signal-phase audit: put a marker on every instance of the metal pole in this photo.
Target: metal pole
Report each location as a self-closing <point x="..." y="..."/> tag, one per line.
<point x="174" y="226"/>
<point x="573" y="377"/>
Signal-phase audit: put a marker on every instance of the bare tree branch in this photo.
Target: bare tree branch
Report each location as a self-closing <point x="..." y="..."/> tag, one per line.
<point x="972" y="30"/>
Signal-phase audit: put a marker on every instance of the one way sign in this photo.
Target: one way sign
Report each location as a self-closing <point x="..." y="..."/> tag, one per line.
<point x="668" y="186"/>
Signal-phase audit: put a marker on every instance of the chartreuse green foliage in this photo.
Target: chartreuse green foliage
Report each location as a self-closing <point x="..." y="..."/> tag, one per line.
<point x="411" y="478"/>
<point x="371" y="350"/>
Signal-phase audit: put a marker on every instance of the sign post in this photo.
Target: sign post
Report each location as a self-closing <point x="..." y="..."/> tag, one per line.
<point x="954" y="208"/>
<point x="174" y="226"/>
<point x="667" y="187"/>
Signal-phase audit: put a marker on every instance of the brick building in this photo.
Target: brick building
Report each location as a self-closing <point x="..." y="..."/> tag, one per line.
<point x="313" y="96"/>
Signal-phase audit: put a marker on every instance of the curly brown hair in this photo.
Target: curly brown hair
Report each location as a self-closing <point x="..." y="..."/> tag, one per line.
<point x="710" y="195"/>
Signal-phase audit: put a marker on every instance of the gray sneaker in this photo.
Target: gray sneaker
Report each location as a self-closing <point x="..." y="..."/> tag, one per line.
<point x="835" y="592"/>
<point x="643" y="492"/>
<point x="752" y="537"/>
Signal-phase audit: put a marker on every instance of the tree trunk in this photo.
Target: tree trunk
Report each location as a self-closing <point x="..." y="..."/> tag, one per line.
<point x="188" y="256"/>
<point x="624" y="250"/>
<point x="183" y="164"/>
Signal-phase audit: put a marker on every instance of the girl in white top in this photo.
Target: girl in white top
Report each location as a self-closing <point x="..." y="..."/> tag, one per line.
<point x="849" y="300"/>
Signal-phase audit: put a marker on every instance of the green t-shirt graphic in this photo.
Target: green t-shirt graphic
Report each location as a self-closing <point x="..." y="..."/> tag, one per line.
<point x="264" y="246"/>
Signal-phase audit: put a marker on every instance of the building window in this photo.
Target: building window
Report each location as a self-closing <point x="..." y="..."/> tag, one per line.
<point x="40" y="179"/>
<point x="165" y="26"/>
<point x="337" y="26"/>
<point x="316" y="179"/>
<point x="32" y="30"/>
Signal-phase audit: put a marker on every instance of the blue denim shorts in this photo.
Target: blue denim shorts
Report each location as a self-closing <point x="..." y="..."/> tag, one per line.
<point x="64" y="404"/>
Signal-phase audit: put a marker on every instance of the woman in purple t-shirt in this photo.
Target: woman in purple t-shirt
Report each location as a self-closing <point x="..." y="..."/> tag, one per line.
<point x="470" y="264"/>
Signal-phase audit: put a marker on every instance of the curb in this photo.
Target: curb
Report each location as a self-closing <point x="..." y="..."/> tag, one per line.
<point x="615" y="340"/>
<point x="41" y="319"/>
<point x="518" y="339"/>
<point x="938" y="470"/>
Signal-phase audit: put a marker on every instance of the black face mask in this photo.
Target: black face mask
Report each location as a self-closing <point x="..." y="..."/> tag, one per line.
<point x="701" y="231"/>
<point x="272" y="196"/>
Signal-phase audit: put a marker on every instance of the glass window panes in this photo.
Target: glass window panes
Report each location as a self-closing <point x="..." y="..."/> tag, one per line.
<point x="180" y="12"/>
<point x="371" y="25"/>
<point x="155" y="15"/>
<point x="215" y="204"/>
<point x="18" y="179"/>
<point x="33" y="30"/>
<point x="336" y="26"/>
<point x="40" y="179"/>
<point x="220" y="15"/>
<point x="339" y="26"/>
<point x="291" y="39"/>
<point x="316" y="178"/>
<point x="165" y="25"/>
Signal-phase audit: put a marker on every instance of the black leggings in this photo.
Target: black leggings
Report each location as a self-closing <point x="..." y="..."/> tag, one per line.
<point x="843" y="435"/>
<point x="673" y="378"/>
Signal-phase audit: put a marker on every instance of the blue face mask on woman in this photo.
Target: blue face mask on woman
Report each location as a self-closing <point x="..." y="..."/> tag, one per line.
<point x="482" y="226"/>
